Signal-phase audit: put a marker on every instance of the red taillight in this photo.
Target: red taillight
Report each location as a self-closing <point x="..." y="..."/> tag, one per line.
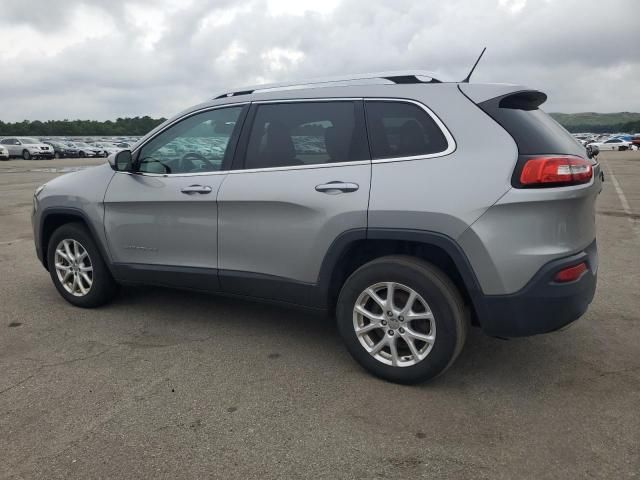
<point x="559" y="170"/>
<point x="570" y="274"/>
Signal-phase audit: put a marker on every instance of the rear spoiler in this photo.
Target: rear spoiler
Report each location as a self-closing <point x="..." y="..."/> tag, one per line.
<point x="520" y="96"/>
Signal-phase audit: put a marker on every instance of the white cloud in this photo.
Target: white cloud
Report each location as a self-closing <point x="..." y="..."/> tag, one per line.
<point x="109" y="58"/>
<point x="300" y="7"/>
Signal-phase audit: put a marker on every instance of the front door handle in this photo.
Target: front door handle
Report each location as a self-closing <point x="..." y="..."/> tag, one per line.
<point x="191" y="189"/>
<point x="336" y="187"/>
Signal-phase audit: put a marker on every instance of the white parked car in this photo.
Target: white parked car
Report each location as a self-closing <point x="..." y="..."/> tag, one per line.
<point x="612" y="144"/>
<point x="27" y="148"/>
<point x="108" y="148"/>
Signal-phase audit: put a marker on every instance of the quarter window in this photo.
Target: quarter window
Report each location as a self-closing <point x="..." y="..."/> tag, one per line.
<point x="306" y="133"/>
<point x="196" y="144"/>
<point x="401" y="129"/>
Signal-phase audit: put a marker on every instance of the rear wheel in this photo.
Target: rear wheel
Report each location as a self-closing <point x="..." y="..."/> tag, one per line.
<point x="77" y="269"/>
<point x="26" y="155"/>
<point x="81" y="154"/>
<point x="402" y="319"/>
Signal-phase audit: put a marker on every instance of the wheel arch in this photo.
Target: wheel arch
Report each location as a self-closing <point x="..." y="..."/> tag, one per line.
<point x="53" y="218"/>
<point x="355" y="248"/>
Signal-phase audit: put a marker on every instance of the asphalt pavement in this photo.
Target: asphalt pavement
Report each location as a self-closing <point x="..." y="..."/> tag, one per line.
<point x="171" y="384"/>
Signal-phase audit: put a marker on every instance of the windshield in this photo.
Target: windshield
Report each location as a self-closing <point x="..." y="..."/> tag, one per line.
<point x="29" y="141"/>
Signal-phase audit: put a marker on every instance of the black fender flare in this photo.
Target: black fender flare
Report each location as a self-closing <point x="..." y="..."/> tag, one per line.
<point x="345" y="241"/>
<point x="69" y="212"/>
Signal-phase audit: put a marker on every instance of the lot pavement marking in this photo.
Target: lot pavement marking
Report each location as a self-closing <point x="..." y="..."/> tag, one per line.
<point x="623" y="199"/>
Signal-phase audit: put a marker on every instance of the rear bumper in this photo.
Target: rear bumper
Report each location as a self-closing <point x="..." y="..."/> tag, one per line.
<point x="543" y="305"/>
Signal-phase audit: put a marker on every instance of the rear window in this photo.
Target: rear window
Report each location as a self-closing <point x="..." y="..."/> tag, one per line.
<point x="533" y="130"/>
<point x="401" y="129"/>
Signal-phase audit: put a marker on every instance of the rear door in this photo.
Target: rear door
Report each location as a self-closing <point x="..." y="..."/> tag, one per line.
<point x="301" y="180"/>
<point x="161" y="221"/>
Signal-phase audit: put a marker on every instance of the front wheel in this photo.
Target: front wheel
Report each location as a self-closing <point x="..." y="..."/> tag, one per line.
<point x="402" y="319"/>
<point x="26" y="155"/>
<point x="77" y="268"/>
<point x="56" y="155"/>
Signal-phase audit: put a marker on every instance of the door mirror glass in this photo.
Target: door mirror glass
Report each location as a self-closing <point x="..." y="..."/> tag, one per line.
<point x="122" y="161"/>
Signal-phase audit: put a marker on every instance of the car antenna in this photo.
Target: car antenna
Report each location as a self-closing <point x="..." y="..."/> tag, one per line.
<point x="466" y="80"/>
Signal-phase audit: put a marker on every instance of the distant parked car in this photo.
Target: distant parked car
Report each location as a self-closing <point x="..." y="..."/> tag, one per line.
<point x="86" y="150"/>
<point x="636" y="141"/>
<point x="60" y="150"/>
<point x="107" y="148"/>
<point x="4" y="153"/>
<point x="612" y="144"/>
<point x="27" y="148"/>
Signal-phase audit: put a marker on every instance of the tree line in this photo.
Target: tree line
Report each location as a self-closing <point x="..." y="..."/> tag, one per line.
<point x="138" y="126"/>
<point x="120" y="127"/>
<point x="627" y="127"/>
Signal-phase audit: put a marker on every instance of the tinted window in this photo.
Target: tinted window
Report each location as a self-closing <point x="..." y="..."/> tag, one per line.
<point x="306" y="133"/>
<point x="400" y="129"/>
<point x="7" y="141"/>
<point x="533" y="130"/>
<point x="196" y="144"/>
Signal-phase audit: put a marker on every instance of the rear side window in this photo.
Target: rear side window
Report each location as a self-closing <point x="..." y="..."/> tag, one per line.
<point x="533" y="130"/>
<point x="306" y="133"/>
<point x="401" y="129"/>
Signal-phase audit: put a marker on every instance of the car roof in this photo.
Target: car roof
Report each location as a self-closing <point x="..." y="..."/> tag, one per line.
<point x="390" y="84"/>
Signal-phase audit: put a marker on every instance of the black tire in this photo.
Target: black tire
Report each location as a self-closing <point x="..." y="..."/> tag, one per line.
<point x="56" y="155"/>
<point x="103" y="288"/>
<point x="444" y="299"/>
<point x="26" y="155"/>
<point x="81" y="154"/>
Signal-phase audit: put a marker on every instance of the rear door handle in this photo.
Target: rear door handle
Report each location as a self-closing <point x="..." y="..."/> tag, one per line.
<point x="336" y="187"/>
<point x="191" y="189"/>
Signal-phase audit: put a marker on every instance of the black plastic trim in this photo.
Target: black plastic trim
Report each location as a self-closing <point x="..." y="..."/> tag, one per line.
<point x="544" y="305"/>
<point x="69" y="211"/>
<point x="268" y="287"/>
<point x="409" y="79"/>
<point x="189" y="278"/>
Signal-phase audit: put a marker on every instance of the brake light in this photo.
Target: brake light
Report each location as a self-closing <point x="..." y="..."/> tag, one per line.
<point x="555" y="171"/>
<point x="570" y="274"/>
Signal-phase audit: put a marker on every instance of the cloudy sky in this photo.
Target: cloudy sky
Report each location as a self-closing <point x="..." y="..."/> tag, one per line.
<point x="102" y="59"/>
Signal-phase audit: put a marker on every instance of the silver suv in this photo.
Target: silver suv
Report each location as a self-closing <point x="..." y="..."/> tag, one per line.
<point x="409" y="207"/>
<point x="27" y="148"/>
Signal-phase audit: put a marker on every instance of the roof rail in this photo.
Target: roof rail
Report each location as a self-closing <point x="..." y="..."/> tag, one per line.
<point x="380" y="78"/>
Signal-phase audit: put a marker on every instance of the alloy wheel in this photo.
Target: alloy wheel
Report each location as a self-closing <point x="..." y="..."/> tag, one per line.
<point x="73" y="267"/>
<point x="394" y="324"/>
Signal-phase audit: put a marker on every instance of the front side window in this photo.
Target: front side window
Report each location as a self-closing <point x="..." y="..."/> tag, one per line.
<point x="401" y="129"/>
<point x="196" y="144"/>
<point x="306" y="133"/>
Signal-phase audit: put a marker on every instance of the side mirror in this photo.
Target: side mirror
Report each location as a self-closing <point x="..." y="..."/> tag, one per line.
<point x="121" y="161"/>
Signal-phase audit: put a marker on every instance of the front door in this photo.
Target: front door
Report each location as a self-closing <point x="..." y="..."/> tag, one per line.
<point x="161" y="221"/>
<point x="303" y="180"/>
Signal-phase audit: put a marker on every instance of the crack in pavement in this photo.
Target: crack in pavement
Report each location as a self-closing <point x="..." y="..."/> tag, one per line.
<point x="57" y="364"/>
